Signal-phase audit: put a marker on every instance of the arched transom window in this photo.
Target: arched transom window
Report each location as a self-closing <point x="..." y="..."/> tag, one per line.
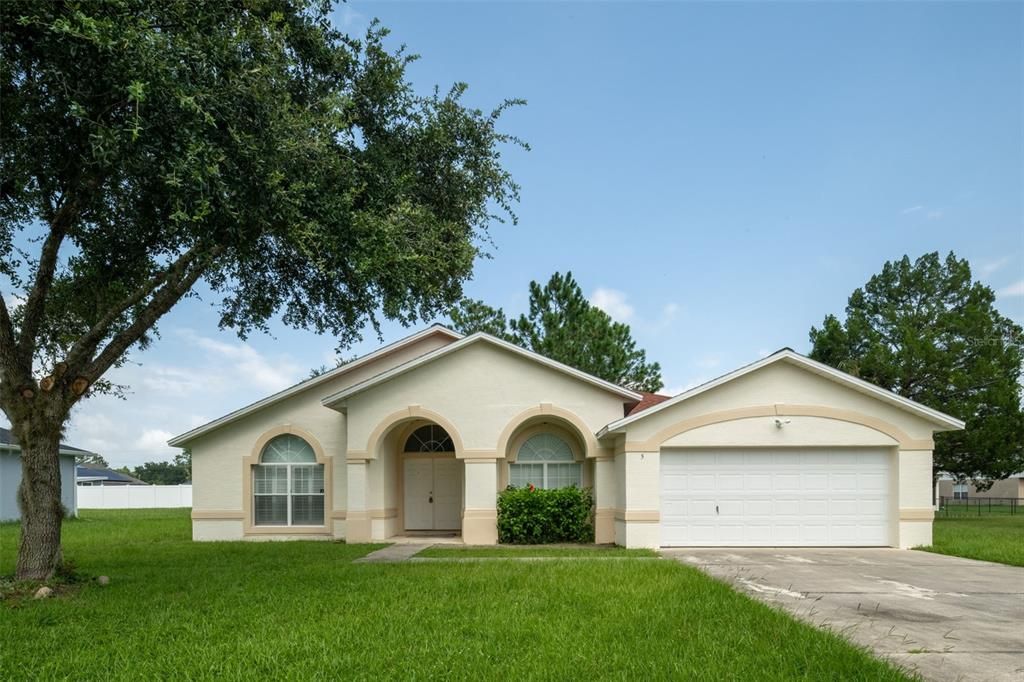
<point x="546" y="461"/>
<point x="288" y="484"/>
<point x="429" y="438"/>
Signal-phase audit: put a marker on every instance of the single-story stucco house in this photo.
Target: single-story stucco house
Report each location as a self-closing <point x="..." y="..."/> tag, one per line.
<point x="1011" y="487"/>
<point x="10" y="476"/>
<point x="421" y="435"/>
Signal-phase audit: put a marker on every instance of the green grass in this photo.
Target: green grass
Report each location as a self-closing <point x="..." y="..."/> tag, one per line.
<point x="989" y="538"/>
<point x="301" y="610"/>
<point x="530" y="551"/>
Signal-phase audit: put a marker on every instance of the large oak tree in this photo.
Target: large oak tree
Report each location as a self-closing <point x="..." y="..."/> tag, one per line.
<point x="247" y="148"/>
<point x="927" y="331"/>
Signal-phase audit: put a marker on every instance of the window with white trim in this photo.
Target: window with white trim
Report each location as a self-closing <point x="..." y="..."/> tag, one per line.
<point x="959" y="491"/>
<point x="546" y="461"/>
<point x="288" y="484"/>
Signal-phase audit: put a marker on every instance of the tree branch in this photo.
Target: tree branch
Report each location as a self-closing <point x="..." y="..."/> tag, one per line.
<point x="8" y="361"/>
<point x="35" y="305"/>
<point x="88" y="342"/>
<point x="177" y="284"/>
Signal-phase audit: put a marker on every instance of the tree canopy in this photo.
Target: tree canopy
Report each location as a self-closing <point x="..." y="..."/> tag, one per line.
<point x="563" y="325"/>
<point x="250" y="147"/>
<point x="927" y="331"/>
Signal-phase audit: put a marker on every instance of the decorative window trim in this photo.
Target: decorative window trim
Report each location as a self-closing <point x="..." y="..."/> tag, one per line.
<point x="430" y="438"/>
<point x="545" y="465"/>
<point x="249" y="526"/>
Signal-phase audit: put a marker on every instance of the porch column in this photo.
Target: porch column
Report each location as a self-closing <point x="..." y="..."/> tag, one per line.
<point x="357" y="516"/>
<point x="914" y="498"/>
<point x="480" y="512"/>
<point x="604" y="500"/>
<point x="638" y="520"/>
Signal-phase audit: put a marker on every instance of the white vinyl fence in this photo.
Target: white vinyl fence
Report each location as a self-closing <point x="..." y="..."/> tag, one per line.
<point x="134" y="496"/>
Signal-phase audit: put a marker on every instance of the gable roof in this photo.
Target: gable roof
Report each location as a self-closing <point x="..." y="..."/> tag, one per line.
<point x="381" y="352"/>
<point x="478" y="337"/>
<point x="10" y="443"/>
<point x="790" y="356"/>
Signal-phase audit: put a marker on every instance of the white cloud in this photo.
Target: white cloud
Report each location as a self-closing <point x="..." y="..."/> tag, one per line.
<point x="673" y="390"/>
<point x="930" y="213"/>
<point x="171" y="394"/>
<point x="1015" y="289"/>
<point x="613" y="302"/>
<point x="993" y="266"/>
<point x="154" y="442"/>
<point x="763" y="353"/>
<point x="249" y="365"/>
<point x="349" y="16"/>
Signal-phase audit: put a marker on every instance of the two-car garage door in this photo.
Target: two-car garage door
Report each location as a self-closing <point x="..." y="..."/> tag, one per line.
<point x="763" y="497"/>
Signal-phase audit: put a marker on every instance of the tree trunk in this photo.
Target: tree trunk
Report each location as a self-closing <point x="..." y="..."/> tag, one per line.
<point x="39" y="554"/>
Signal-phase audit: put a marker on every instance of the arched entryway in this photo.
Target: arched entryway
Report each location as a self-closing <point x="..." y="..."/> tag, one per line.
<point x="430" y="479"/>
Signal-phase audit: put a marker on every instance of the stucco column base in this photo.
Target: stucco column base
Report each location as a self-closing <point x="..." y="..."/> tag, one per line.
<point x="604" y="526"/>
<point x="638" y="530"/>
<point x="480" y="527"/>
<point x="358" y="527"/>
<point x="915" y="534"/>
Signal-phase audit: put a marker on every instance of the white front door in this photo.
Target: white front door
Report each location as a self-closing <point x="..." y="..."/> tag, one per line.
<point x="433" y="493"/>
<point x="799" y="497"/>
<point x="447" y="494"/>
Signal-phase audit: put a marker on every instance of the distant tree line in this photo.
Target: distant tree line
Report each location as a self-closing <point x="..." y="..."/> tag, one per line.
<point x="177" y="471"/>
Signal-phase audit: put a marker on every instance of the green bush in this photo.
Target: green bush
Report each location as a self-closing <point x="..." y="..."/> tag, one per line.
<point x="531" y="516"/>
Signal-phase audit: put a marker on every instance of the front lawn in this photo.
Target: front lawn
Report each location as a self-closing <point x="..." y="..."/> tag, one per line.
<point x="989" y="538"/>
<point x="301" y="610"/>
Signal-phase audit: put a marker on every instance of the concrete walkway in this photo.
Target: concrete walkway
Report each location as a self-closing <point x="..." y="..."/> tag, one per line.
<point x="945" y="617"/>
<point x="393" y="554"/>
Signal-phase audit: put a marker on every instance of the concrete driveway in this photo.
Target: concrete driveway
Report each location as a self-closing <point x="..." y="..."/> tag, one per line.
<point x="946" y="618"/>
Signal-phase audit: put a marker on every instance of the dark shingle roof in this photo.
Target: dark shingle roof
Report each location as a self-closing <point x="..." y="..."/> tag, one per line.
<point x="9" y="442"/>
<point x="106" y="475"/>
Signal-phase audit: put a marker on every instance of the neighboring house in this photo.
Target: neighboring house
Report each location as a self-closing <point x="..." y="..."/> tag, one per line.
<point x="96" y="475"/>
<point x="421" y="435"/>
<point x="965" y="490"/>
<point x="10" y="476"/>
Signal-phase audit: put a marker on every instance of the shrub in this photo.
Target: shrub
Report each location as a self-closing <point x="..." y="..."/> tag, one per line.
<point x="531" y="516"/>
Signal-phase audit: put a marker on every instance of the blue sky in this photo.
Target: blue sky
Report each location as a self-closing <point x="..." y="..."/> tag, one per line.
<point x="719" y="176"/>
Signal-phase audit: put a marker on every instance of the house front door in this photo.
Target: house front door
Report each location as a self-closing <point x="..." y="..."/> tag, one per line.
<point x="432" y="493"/>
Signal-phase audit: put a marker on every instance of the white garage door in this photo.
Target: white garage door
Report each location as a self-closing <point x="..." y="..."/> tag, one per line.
<point x="761" y="497"/>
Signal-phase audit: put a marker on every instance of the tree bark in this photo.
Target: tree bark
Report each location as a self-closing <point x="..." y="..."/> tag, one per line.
<point x="39" y="553"/>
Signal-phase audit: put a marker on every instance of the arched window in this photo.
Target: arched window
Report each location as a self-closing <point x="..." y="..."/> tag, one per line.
<point x="429" y="438"/>
<point x="288" y="484"/>
<point x="546" y="461"/>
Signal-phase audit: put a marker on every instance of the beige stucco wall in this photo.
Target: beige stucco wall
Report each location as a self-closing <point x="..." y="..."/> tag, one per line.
<point x="480" y="389"/>
<point x="742" y="413"/>
<point x="1008" y="487"/>
<point x="486" y="396"/>
<point x="217" y="457"/>
<point x="786" y="387"/>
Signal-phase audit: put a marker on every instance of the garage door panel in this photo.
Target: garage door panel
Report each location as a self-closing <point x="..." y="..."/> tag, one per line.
<point x="758" y="482"/>
<point x="767" y="497"/>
